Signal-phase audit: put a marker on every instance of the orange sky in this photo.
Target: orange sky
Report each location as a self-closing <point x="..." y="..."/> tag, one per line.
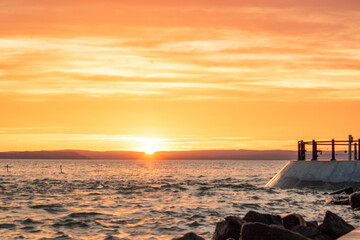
<point x="177" y="75"/>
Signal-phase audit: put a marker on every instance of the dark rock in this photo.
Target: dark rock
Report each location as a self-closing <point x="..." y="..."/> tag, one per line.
<point x="292" y="220"/>
<point x="338" y="200"/>
<point x="254" y="231"/>
<point x="334" y="226"/>
<point x="311" y="232"/>
<point x="348" y="190"/>
<point x="312" y="224"/>
<point x="261" y="231"/>
<point x="253" y="216"/>
<point x="189" y="236"/>
<point x="230" y="228"/>
<point x="277" y="233"/>
<point x="354" y="200"/>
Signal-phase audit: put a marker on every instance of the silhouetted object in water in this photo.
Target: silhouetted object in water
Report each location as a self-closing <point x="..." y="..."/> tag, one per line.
<point x="348" y="190"/>
<point x="61" y="171"/>
<point x="7" y="167"/>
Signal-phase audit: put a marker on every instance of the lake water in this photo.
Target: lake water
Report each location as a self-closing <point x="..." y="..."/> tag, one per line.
<point x="110" y="199"/>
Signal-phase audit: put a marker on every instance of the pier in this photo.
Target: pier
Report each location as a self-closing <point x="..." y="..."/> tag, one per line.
<point x="321" y="173"/>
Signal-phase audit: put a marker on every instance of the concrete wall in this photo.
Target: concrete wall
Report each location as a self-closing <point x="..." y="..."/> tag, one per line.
<point x="317" y="173"/>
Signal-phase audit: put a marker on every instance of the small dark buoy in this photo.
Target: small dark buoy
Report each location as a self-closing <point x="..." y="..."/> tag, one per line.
<point x="61" y="171"/>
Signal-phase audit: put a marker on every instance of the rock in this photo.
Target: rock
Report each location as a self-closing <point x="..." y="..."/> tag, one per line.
<point x="338" y="200"/>
<point x="277" y="233"/>
<point x="189" y="236"/>
<point x="354" y="200"/>
<point x="255" y="231"/>
<point x="312" y="224"/>
<point x="261" y="231"/>
<point x="311" y="232"/>
<point x="292" y="220"/>
<point x="230" y="228"/>
<point x="253" y="216"/>
<point x="334" y="226"/>
<point x="348" y="190"/>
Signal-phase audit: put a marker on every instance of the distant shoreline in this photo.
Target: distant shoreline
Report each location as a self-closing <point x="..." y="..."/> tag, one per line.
<point x="163" y="155"/>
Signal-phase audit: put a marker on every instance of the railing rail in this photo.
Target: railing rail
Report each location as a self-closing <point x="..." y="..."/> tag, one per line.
<point x="350" y="143"/>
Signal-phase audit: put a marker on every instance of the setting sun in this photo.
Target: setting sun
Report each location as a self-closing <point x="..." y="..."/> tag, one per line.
<point x="149" y="148"/>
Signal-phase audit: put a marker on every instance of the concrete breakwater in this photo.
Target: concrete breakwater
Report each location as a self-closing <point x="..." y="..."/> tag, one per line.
<point x="317" y="173"/>
<point x="260" y="226"/>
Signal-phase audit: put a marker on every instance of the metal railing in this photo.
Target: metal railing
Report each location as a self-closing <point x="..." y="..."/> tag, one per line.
<point x="350" y="143"/>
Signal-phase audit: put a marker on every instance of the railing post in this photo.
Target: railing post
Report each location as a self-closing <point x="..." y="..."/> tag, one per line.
<point x="350" y="141"/>
<point x="302" y="146"/>
<point x="333" y="150"/>
<point x="359" y="148"/>
<point x="314" y="151"/>
<point x="299" y="151"/>
<point x="355" y="151"/>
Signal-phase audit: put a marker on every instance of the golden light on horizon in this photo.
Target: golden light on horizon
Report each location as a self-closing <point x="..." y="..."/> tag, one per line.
<point x="149" y="148"/>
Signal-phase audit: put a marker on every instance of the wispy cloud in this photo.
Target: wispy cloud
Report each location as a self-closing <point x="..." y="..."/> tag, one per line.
<point x="56" y="66"/>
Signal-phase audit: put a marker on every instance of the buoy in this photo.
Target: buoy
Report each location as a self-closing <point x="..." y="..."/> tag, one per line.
<point x="61" y="171"/>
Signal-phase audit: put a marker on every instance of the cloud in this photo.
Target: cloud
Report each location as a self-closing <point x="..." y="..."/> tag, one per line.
<point x="283" y="17"/>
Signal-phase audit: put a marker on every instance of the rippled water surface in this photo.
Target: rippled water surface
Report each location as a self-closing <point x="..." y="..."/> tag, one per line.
<point x="108" y="199"/>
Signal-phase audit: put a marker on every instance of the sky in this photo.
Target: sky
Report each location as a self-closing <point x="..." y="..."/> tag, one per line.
<point x="149" y="75"/>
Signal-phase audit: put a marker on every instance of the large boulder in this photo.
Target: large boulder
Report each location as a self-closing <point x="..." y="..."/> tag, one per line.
<point x="230" y="228"/>
<point x="254" y="231"/>
<point x="311" y="232"/>
<point x="253" y="216"/>
<point x="261" y="231"/>
<point x="292" y="220"/>
<point x="312" y="224"/>
<point x="334" y="226"/>
<point x="277" y="233"/>
<point x="354" y="200"/>
<point x="189" y="236"/>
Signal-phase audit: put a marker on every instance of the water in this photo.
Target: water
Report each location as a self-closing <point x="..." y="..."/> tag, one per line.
<point x="108" y="199"/>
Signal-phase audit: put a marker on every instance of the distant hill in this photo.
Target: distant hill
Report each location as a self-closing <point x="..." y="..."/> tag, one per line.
<point x="42" y="155"/>
<point x="169" y="155"/>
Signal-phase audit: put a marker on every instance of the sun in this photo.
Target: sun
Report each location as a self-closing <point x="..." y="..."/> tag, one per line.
<point x="149" y="149"/>
<point x="149" y="146"/>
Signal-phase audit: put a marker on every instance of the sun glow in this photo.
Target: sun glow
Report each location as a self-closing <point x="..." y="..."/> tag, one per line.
<point x="149" y="147"/>
<point x="149" y="150"/>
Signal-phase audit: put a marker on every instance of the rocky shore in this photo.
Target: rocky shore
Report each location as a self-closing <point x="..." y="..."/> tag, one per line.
<point x="261" y="226"/>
